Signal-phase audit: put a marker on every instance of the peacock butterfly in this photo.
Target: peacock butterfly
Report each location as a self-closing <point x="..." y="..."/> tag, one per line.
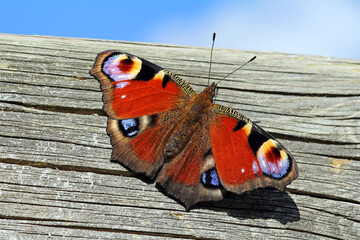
<point x="196" y="150"/>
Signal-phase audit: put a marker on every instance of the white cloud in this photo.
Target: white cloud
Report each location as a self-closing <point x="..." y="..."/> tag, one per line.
<point x="315" y="27"/>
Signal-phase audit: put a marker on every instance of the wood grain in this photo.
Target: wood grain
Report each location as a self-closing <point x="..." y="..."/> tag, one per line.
<point x="57" y="181"/>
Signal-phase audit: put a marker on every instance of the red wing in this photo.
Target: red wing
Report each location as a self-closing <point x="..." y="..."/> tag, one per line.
<point x="142" y="101"/>
<point x="134" y="87"/>
<point x="191" y="176"/>
<point x="247" y="157"/>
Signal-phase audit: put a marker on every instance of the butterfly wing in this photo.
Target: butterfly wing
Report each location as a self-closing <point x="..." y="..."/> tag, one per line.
<point x="191" y="176"/>
<point x="142" y="101"/>
<point x="227" y="152"/>
<point x="134" y="87"/>
<point x="246" y="156"/>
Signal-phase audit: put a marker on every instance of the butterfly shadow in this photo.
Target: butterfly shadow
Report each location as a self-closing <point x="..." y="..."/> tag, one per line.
<point x="264" y="203"/>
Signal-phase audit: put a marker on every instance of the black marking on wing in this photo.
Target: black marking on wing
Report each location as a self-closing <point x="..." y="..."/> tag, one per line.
<point x="208" y="153"/>
<point x="165" y="80"/>
<point x="239" y="125"/>
<point x="147" y="71"/>
<point x="153" y="119"/>
<point x="256" y="139"/>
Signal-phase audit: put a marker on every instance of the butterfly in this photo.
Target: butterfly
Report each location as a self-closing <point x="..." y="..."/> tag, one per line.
<point x="195" y="149"/>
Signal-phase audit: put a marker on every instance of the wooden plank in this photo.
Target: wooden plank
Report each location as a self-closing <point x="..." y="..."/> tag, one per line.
<point x="56" y="179"/>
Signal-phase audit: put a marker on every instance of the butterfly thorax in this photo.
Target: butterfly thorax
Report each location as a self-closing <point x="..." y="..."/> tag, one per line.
<point x="210" y="91"/>
<point x="191" y="121"/>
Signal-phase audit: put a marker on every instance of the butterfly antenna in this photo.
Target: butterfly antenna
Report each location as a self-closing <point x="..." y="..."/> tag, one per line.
<point x="252" y="59"/>
<point x="211" y="53"/>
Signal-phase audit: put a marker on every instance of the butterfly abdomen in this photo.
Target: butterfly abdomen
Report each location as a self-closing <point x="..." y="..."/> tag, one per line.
<point x="178" y="140"/>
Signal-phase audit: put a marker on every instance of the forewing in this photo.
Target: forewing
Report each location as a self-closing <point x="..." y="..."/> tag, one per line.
<point x="142" y="102"/>
<point x="134" y="87"/>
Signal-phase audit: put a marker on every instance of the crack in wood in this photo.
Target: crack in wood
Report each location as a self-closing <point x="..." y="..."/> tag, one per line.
<point x="340" y="156"/>
<point x="321" y="195"/>
<point x="333" y="213"/>
<point x="51" y="140"/>
<point x="55" y="86"/>
<point x="68" y="167"/>
<point x="58" y="109"/>
<point x="301" y="94"/>
<point x="19" y="218"/>
<point x="144" y="233"/>
<point x="309" y="140"/>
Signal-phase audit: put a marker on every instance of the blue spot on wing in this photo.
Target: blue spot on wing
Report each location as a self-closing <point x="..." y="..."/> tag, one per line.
<point x="210" y="179"/>
<point x="129" y="127"/>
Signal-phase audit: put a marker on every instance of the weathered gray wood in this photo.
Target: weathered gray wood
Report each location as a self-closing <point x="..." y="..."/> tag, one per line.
<point x="56" y="179"/>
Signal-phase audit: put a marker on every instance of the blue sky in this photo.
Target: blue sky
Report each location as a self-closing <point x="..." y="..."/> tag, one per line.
<point x="317" y="27"/>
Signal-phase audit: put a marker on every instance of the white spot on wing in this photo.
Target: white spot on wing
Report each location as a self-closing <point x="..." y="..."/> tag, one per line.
<point x="255" y="167"/>
<point x="262" y="161"/>
<point x="122" y="84"/>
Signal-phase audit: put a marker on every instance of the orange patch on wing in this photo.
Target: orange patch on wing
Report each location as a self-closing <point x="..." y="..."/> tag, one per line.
<point x="270" y="150"/>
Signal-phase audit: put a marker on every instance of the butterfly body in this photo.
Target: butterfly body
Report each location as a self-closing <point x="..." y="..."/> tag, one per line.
<point x="196" y="150"/>
<point x="191" y="120"/>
